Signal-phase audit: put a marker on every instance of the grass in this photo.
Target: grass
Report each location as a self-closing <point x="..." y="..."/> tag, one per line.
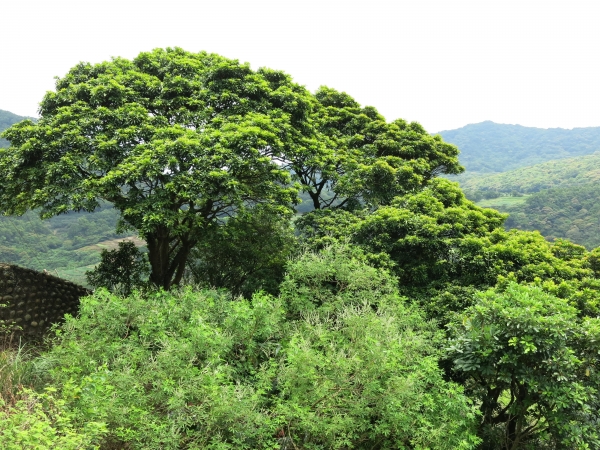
<point x="15" y="366"/>
<point x="75" y="275"/>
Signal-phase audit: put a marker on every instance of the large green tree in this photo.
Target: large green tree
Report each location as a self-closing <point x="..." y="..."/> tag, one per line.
<point x="176" y="141"/>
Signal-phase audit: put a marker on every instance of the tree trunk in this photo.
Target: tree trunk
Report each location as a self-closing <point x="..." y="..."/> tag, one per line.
<point x="158" y="255"/>
<point x="167" y="263"/>
<point x="315" y="198"/>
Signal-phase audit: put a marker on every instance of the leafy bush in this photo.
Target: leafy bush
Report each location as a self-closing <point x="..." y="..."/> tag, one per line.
<point x="120" y="270"/>
<point x="41" y="421"/>
<point x="197" y="370"/>
<point x="533" y="365"/>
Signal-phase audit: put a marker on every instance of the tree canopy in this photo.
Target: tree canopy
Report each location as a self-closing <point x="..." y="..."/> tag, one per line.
<point x="366" y="160"/>
<point x="178" y="142"/>
<point x="174" y="140"/>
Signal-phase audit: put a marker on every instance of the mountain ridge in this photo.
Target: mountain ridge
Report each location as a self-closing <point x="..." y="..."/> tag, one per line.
<point x="488" y="147"/>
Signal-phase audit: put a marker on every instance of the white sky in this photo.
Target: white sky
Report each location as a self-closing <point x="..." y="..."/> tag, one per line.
<point x="443" y="63"/>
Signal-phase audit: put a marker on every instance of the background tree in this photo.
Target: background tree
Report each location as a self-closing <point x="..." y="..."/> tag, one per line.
<point x="120" y="270"/>
<point x="176" y="141"/>
<point x="365" y="159"/>
<point x="247" y="254"/>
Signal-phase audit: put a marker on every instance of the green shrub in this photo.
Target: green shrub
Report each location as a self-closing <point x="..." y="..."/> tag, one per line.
<point x="42" y="421"/>
<point x="198" y="370"/>
<point x="532" y="363"/>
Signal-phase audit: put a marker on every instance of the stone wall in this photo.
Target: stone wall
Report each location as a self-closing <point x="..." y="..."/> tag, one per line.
<point x="34" y="300"/>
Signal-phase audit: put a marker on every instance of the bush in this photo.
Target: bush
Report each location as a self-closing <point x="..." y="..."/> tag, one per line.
<point x="41" y="421"/>
<point x="120" y="270"/>
<point x="197" y="370"/>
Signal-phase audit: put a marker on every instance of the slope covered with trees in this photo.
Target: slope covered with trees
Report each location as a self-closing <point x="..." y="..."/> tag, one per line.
<point x="572" y="213"/>
<point x="525" y="180"/>
<point x="490" y="147"/>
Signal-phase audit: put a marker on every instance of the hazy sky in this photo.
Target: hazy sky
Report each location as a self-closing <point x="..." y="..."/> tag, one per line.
<point x="443" y="63"/>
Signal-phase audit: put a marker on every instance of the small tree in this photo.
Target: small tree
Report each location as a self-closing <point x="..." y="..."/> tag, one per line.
<point x="534" y="367"/>
<point x="120" y="270"/>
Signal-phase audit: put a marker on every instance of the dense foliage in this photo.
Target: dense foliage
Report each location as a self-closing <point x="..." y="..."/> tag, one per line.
<point x="178" y="142"/>
<point x="390" y="312"/>
<point x="533" y="365"/>
<point x="356" y="369"/>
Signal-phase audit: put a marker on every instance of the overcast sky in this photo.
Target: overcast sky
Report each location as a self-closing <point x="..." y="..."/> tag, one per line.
<point x="443" y="63"/>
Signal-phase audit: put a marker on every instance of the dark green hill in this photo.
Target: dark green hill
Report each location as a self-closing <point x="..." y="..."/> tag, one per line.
<point x="6" y="120"/>
<point x="489" y="147"/>
<point x="552" y="174"/>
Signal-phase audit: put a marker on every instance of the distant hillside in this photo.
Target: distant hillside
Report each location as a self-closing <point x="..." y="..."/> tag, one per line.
<point x="64" y="244"/>
<point x="552" y="174"/>
<point x="490" y="147"/>
<point x="558" y="198"/>
<point x="572" y="213"/>
<point x="6" y="120"/>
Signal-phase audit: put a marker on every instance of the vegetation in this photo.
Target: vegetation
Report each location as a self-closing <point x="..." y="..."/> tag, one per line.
<point x="526" y="180"/>
<point x="529" y="358"/>
<point x="489" y="147"/>
<point x="196" y="370"/>
<point x="557" y="198"/>
<point x="393" y="312"/>
<point x="178" y="142"/>
<point x="68" y="241"/>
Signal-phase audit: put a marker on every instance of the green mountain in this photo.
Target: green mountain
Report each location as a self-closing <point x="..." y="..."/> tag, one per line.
<point x="552" y="174"/>
<point x="489" y="147"/>
<point x="6" y="120"/>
